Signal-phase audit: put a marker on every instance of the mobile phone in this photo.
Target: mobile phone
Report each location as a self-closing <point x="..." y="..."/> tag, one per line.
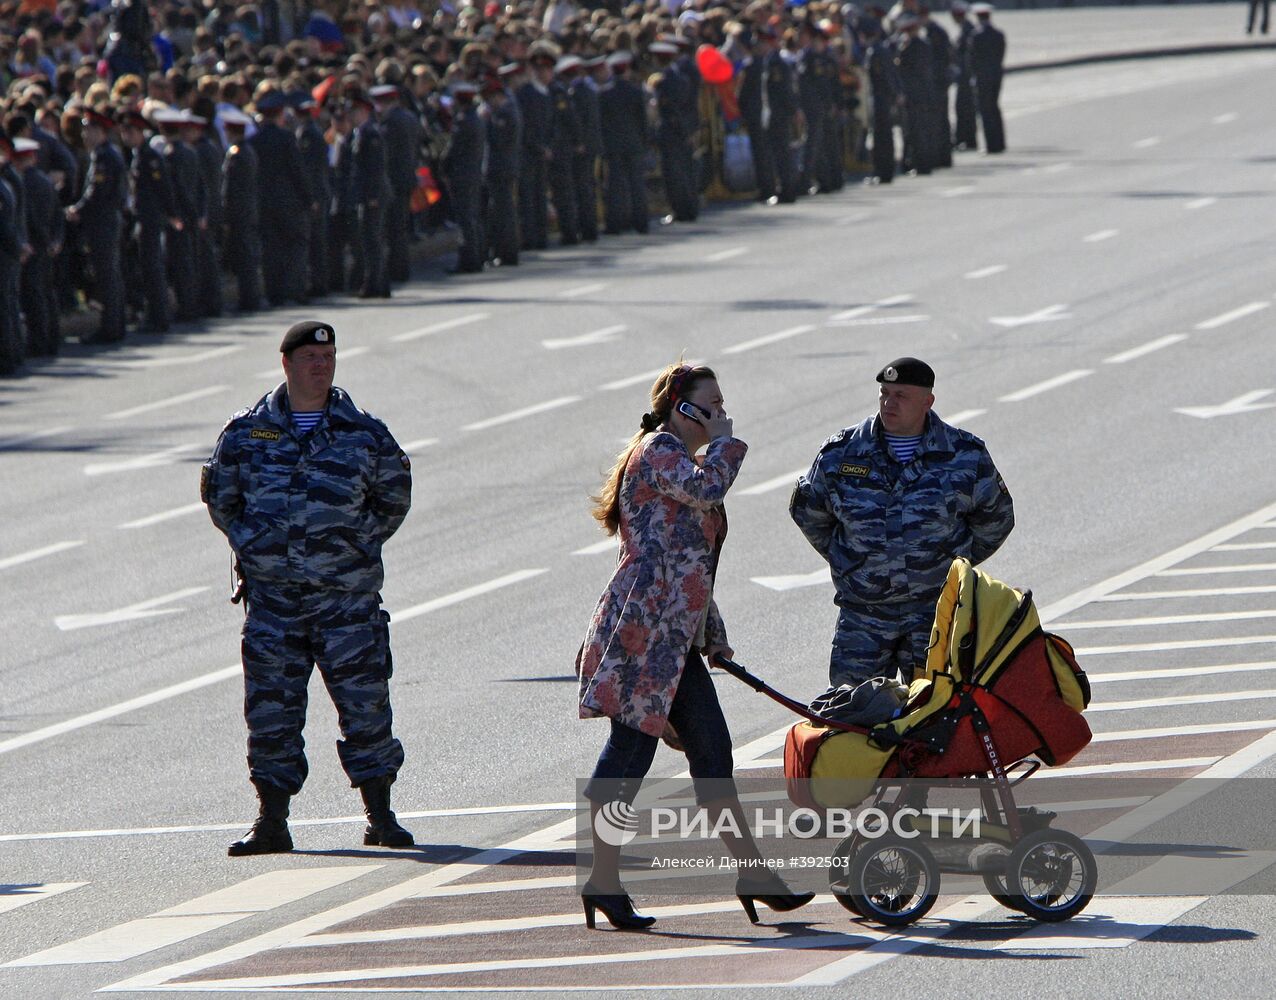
<point x="696" y="413"/>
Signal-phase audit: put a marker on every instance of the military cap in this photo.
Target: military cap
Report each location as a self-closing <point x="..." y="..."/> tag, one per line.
<point x="662" y="49"/>
<point x="907" y="371"/>
<point x="509" y="69"/>
<point x="959" y="6"/>
<point x="360" y="97"/>
<point x="764" y="31"/>
<point x="308" y="331"/>
<point x="981" y="8"/>
<point x="619" y="59"/>
<point x="24" y="147"/>
<point x="593" y="62"/>
<point x="94" y="117"/>
<point x="492" y="84"/>
<point x="272" y="100"/>
<point x="132" y="117"/>
<point x="568" y="64"/>
<point x="384" y="92"/>
<point x="166" y="116"/>
<point x="463" y="88"/>
<point x="300" y="100"/>
<point x="235" y="118"/>
<point x="906" y="21"/>
<point x="188" y="117"/>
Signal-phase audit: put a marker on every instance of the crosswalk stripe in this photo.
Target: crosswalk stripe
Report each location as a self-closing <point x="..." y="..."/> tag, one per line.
<point x="195" y="916"/>
<point x="1109" y="922"/>
<point x="1158" y="647"/>
<point x="1211" y="616"/>
<point x="13" y="896"/>
<point x="1197" y="729"/>
<point x="1182" y="699"/>
<point x="1172" y="672"/>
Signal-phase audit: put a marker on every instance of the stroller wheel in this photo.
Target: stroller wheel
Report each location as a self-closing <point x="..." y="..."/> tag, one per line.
<point x="839" y="872"/>
<point x="892" y="881"/>
<point x="997" y="889"/>
<point x="1051" y="875"/>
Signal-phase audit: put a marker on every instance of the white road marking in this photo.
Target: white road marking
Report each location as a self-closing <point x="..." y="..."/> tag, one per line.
<point x="986" y="272"/>
<point x="13" y="896"/>
<point x="793" y="582"/>
<point x="575" y="293"/>
<point x="168" y="361"/>
<point x="118" y="709"/>
<point x="1196" y="203"/>
<point x="1123" y="767"/>
<point x="17" y="439"/>
<point x="1057" y="168"/>
<point x="166" y="457"/>
<point x="419" y="444"/>
<point x="165" y="515"/>
<point x="1162" y="595"/>
<point x="1225" y="118"/>
<point x="1232" y="315"/>
<point x="854" y="217"/>
<point x="48" y="550"/>
<point x="1100" y="236"/>
<point x="775" y="483"/>
<point x="447" y="324"/>
<point x="1207" y="570"/>
<point x="721" y="255"/>
<point x="1198" y="729"/>
<point x="1162" y="647"/>
<point x="880" y="320"/>
<point x="160" y="404"/>
<point x="293" y="822"/>
<point x="585" y="339"/>
<point x="770" y="338"/>
<point x="1152" y="345"/>
<point x="447" y="600"/>
<point x="961" y="416"/>
<point x="1047" y="385"/>
<point x="606" y="545"/>
<point x="1168" y="673"/>
<point x="1170" y="701"/>
<point x="1211" y="616"/>
<point x="1108" y="922"/>
<point x="1047" y="315"/>
<point x="625" y="383"/>
<point x="1246" y="403"/>
<point x="133" y="612"/>
<point x="1148" y="143"/>
<point x="857" y="311"/>
<point x="194" y="917"/>
<point x="1244" y="547"/>
<point x="527" y="411"/>
<point x="957" y="192"/>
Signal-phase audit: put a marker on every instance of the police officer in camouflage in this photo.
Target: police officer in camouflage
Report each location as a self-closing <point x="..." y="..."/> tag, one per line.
<point x="307" y="487"/>
<point x="889" y="503"/>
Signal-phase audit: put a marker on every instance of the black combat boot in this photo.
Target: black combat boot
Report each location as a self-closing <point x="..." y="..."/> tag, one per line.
<point x="269" y="834"/>
<point x="383" y="829"/>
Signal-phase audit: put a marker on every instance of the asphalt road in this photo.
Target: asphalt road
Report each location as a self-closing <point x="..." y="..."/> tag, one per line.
<point x="1076" y="297"/>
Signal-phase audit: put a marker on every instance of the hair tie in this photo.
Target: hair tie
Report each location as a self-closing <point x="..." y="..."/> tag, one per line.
<point x="676" y="381"/>
<point x="650" y="422"/>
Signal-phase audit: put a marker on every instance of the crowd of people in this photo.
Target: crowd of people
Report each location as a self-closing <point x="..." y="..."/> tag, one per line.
<point x="149" y="150"/>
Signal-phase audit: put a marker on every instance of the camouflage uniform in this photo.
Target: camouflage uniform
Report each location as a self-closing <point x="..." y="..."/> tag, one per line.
<point x="306" y="517"/>
<point x="890" y="531"/>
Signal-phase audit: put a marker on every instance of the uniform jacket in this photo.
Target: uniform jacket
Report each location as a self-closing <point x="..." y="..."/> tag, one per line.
<point x="463" y="164"/>
<point x="211" y="154"/>
<point x="102" y="203"/>
<point x="282" y="187"/>
<point x="890" y="531"/>
<point x="239" y="188"/>
<point x="314" y="161"/>
<point x="9" y="174"/>
<point x="154" y="200"/>
<point x="368" y="160"/>
<point x="987" y="53"/>
<point x="622" y="110"/>
<point x="10" y="246"/>
<point x="44" y="214"/>
<point x="567" y="136"/>
<point x="403" y="137"/>
<point x="588" y="121"/>
<point x="311" y="511"/>
<point x="188" y="183"/>
<point x="504" y="140"/>
<point x="671" y="89"/>
<point x="672" y="525"/>
<point x="536" y="106"/>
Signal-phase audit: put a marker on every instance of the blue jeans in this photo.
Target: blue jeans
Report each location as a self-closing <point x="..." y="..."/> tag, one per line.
<point x="702" y="729"/>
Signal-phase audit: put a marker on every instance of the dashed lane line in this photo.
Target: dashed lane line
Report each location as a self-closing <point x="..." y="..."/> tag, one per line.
<point x="1199" y="203"/>
<point x="155" y="459"/>
<point x="1148" y="143"/>
<point x="603" y="336"/>
<point x="598" y="548"/>
<point x="1225" y="118"/>
<point x="440" y="327"/>
<point x="770" y="338"/>
<point x="1232" y="315"/>
<point x="15" y="440"/>
<point x="527" y="411"/>
<point x="721" y="255"/>
<point x="575" y="293"/>
<point x="961" y="416"/>
<point x="40" y="553"/>
<point x="1143" y="349"/>
<point x="985" y="272"/>
<point x="775" y="483"/>
<point x="164" y="515"/>
<point x="1046" y="386"/>
<point x="1209" y="616"/>
<point x="1100" y="236"/>
<point x="508" y="580"/>
<point x="161" y="404"/>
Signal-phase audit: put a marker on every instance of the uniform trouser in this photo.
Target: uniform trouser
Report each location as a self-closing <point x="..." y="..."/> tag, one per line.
<point x="562" y="187"/>
<point x="285" y="635"/>
<point x="151" y="274"/>
<point x="625" y="193"/>
<point x="318" y="270"/>
<point x="942" y="136"/>
<point x="777" y="139"/>
<point x="284" y="253"/>
<point x="11" y="337"/>
<point x="209" y="278"/>
<point x="103" y="242"/>
<point x="987" y="97"/>
<point x="243" y="254"/>
<point x="813" y="148"/>
<point x="697" y="718"/>
<point x="372" y="250"/>
<point x="397" y="216"/>
<point x="533" y="210"/>
<point x="342" y="231"/>
<point x="585" y="181"/>
<point x="919" y="135"/>
<point x="677" y="168"/>
<point x="467" y="207"/>
<point x="830" y="170"/>
<point x="883" y="147"/>
<point x="38" y="304"/>
<point x="1253" y="10"/>
<point x="500" y="218"/>
<point x="876" y="640"/>
<point x="966" y="134"/>
<point x="182" y="270"/>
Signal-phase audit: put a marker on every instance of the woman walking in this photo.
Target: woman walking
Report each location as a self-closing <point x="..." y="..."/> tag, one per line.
<point x="643" y="661"/>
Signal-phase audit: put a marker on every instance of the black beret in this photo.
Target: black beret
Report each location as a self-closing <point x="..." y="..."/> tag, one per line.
<point x="908" y="371"/>
<point x="309" y="331"/>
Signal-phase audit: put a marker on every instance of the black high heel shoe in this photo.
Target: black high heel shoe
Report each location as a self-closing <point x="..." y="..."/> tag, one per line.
<point x="773" y="892"/>
<point x="617" y="907"/>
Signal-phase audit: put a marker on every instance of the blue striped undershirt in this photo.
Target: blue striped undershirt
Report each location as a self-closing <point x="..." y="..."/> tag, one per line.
<point x="305" y="422"/>
<point x="903" y="447"/>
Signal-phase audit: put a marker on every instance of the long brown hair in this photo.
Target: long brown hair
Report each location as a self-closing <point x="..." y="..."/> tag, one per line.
<point x="671" y="385"/>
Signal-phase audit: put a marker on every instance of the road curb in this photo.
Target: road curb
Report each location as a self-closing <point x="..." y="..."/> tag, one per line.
<point x="1204" y="49"/>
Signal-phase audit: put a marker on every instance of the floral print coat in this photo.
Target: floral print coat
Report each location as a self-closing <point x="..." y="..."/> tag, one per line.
<point x="672" y="525"/>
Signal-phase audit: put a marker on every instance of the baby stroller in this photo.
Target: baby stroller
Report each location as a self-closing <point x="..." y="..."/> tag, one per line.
<point x="996" y="689"/>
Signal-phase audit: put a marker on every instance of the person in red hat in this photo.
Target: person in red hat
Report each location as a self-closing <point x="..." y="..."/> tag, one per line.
<point x="100" y="214"/>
